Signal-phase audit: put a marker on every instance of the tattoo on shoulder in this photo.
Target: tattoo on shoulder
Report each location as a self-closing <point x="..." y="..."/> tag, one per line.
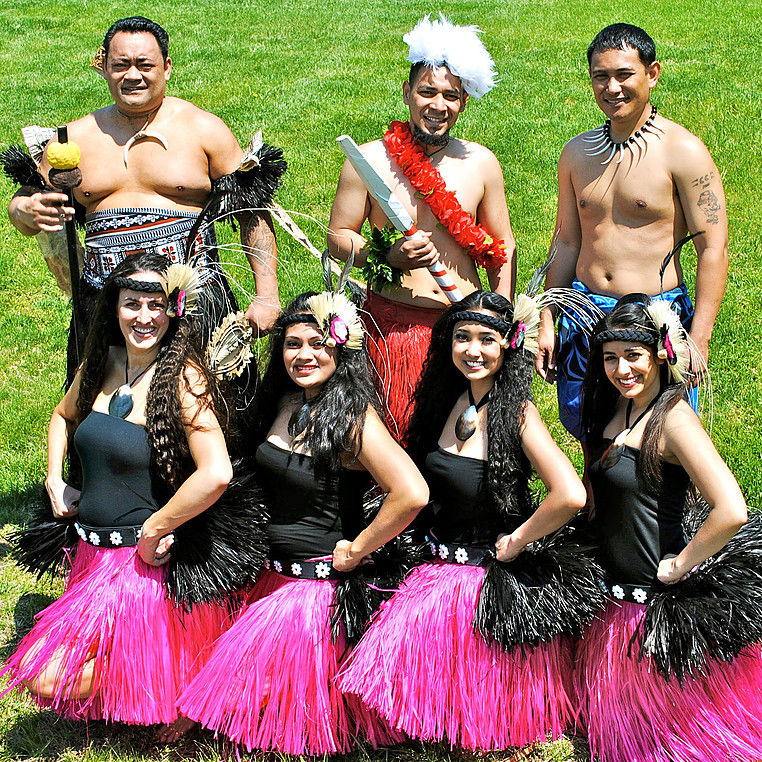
<point x="709" y="204"/>
<point x="704" y="180"/>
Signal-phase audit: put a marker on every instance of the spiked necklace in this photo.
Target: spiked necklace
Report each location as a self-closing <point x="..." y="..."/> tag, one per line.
<point x="120" y="404"/>
<point x="465" y="426"/>
<point x="600" y="140"/>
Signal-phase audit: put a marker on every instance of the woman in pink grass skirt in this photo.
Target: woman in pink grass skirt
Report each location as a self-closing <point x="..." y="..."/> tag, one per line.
<point x="143" y="406"/>
<point x="671" y="670"/>
<point x="270" y="683"/>
<point x="473" y="648"/>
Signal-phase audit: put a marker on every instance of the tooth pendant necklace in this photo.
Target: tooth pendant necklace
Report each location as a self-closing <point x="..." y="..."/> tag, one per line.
<point x="465" y="426"/>
<point x="600" y="140"/>
<point x="143" y="133"/>
<point x="120" y="405"/>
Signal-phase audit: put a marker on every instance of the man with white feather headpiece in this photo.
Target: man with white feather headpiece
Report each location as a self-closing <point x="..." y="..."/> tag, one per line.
<point x="454" y="192"/>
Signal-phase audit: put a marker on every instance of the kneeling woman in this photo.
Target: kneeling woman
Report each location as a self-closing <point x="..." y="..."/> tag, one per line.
<point x="270" y="683"/>
<point x="143" y="404"/>
<point x="471" y="648"/>
<point x="670" y="670"/>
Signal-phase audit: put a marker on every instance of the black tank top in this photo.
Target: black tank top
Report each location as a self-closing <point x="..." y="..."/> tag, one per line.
<point x="636" y="528"/>
<point x="116" y="483"/>
<point x="462" y="515"/>
<point x="308" y="515"/>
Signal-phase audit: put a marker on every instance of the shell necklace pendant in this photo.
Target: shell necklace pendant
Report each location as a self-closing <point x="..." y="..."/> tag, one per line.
<point x="120" y="405"/>
<point x="465" y="426"/>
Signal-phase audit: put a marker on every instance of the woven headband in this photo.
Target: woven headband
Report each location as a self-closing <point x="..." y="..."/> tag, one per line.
<point x="297" y="317"/>
<point x="467" y="316"/>
<point x="626" y="334"/>
<point x="146" y="286"/>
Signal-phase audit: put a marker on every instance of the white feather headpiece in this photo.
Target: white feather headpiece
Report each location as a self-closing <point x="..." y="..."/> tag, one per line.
<point x="672" y="343"/>
<point x="441" y="43"/>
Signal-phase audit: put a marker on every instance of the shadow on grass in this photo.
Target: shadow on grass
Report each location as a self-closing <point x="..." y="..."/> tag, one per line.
<point x="16" y="505"/>
<point x="27" y="607"/>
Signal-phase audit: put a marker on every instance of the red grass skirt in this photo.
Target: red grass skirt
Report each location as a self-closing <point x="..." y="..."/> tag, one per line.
<point x="422" y="666"/>
<point x="145" y="648"/>
<point x="270" y="682"/>
<point x="398" y="341"/>
<point x="633" y="713"/>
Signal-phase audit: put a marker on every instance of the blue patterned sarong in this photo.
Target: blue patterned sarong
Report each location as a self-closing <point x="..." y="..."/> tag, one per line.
<point x="573" y="348"/>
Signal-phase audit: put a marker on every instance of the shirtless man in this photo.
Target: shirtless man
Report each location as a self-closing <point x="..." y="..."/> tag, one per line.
<point x="402" y="317"/>
<point x="159" y="190"/>
<point x="617" y="220"/>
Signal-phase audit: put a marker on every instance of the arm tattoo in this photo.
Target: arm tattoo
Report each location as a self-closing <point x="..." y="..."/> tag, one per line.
<point x="704" y="180"/>
<point x="709" y="204"/>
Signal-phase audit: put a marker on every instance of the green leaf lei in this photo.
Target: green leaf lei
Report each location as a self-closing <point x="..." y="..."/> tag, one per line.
<point x="377" y="271"/>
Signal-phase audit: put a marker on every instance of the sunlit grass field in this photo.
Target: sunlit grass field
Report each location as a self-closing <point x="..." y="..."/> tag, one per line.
<point x="306" y="72"/>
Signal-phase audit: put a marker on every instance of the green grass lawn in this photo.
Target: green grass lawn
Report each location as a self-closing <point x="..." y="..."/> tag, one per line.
<point x="306" y="72"/>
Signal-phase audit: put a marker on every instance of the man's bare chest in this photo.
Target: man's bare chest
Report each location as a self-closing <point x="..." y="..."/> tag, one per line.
<point x="179" y="172"/>
<point x="628" y="194"/>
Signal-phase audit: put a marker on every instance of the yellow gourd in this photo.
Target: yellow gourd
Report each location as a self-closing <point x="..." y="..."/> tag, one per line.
<point x="63" y="155"/>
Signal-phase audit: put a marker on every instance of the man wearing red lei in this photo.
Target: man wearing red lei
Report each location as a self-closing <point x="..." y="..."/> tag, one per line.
<point x="453" y="190"/>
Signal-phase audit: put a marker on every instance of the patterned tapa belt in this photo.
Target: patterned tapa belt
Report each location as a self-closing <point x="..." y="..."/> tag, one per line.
<point x="109" y="537"/>
<point x="621" y="591"/>
<point x="466" y="555"/>
<point x="301" y="569"/>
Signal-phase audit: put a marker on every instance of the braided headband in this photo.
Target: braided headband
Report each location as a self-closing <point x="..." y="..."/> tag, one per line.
<point x="145" y="286"/>
<point x="513" y="333"/>
<point x="298" y="317"/>
<point x="626" y="334"/>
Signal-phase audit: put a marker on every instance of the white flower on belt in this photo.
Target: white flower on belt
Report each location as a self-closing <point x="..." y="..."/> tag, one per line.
<point x="461" y="556"/>
<point x="322" y="570"/>
<point x="116" y="538"/>
<point x="296" y="570"/>
<point x="94" y="539"/>
<point x="443" y="552"/>
<point x="278" y="566"/>
<point x="617" y="591"/>
<point x="639" y="595"/>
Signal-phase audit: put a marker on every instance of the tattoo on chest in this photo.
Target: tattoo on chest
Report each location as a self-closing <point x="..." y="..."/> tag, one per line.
<point x="709" y="205"/>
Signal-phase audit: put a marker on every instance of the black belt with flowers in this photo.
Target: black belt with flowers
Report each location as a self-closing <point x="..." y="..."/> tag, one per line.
<point x="301" y="569"/>
<point x="109" y="537"/>
<point x="621" y="591"/>
<point x="465" y="555"/>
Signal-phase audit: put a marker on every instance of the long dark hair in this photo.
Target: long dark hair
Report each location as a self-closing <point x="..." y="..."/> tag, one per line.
<point x="439" y="387"/>
<point x="337" y="413"/>
<point x="180" y="349"/>
<point x="600" y="397"/>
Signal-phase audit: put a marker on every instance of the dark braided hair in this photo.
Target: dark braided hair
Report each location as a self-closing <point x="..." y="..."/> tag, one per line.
<point x="439" y="387"/>
<point x="337" y="413"/>
<point x="180" y="350"/>
<point x="600" y="396"/>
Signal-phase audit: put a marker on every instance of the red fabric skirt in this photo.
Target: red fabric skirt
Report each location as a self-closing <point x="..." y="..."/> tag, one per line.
<point x="398" y="340"/>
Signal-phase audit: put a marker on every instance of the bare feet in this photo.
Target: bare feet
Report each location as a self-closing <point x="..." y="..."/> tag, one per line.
<point x="175" y="731"/>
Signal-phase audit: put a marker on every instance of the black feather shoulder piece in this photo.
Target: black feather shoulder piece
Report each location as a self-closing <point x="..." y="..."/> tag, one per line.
<point x="554" y="588"/>
<point x="20" y="168"/>
<point x="357" y="597"/>
<point x="250" y="187"/>
<point x="46" y="544"/>
<point x="222" y="549"/>
<point x="711" y="615"/>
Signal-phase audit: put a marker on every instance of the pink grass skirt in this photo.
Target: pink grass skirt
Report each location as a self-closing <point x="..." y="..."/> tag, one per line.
<point x="425" y="670"/>
<point x="633" y="713"/>
<point x="270" y="682"/>
<point x="398" y="341"/>
<point x="145" y="648"/>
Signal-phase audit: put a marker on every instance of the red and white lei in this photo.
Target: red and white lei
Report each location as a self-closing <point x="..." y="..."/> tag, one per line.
<point x="414" y="163"/>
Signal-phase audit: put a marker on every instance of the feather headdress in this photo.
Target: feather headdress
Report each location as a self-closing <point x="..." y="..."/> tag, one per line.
<point x="336" y="315"/>
<point x="182" y="289"/>
<point x="441" y="43"/>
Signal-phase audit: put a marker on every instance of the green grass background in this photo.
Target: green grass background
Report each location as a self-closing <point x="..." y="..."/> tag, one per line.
<point x="305" y="72"/>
